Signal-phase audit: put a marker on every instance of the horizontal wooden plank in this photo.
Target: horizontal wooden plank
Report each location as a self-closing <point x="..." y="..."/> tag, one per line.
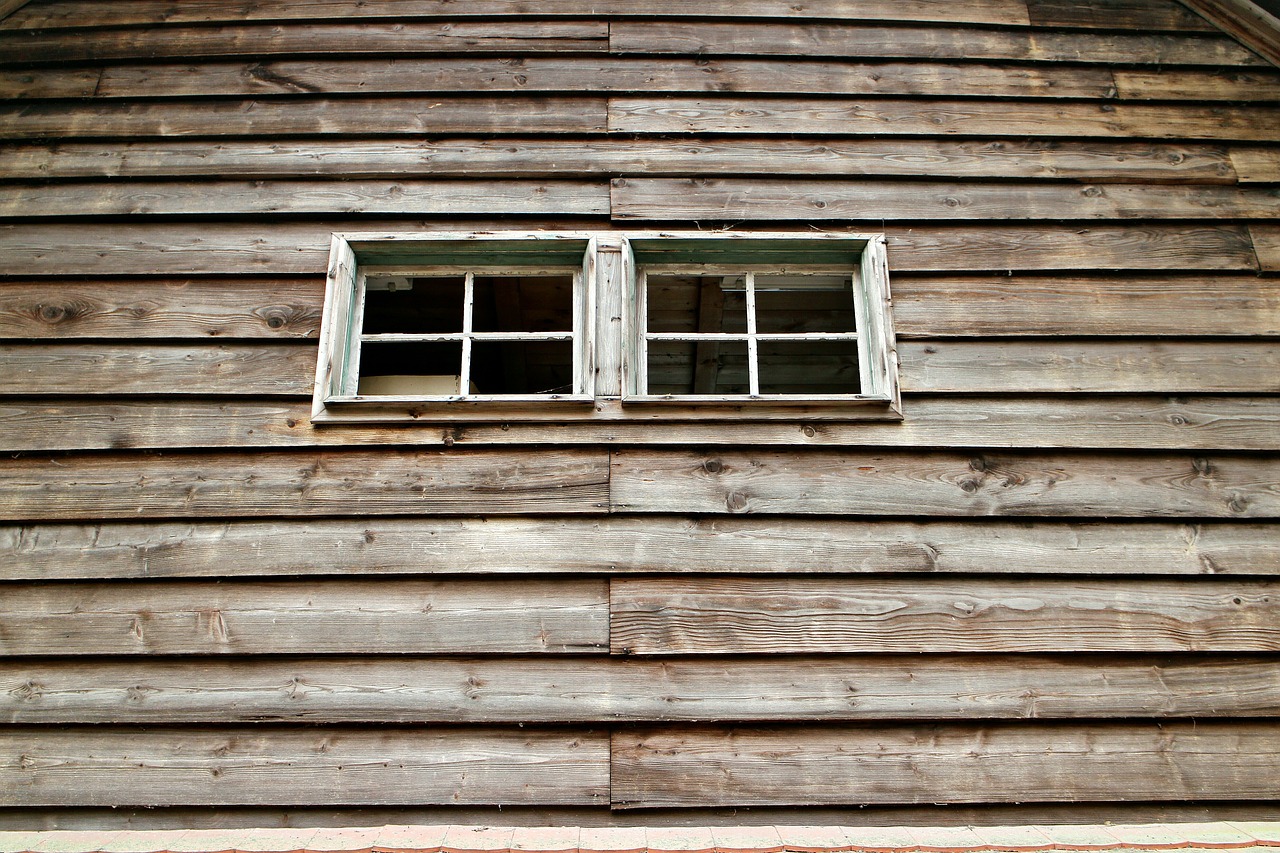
<point x="333" y="75"/>
<point x="890" y="116"/>
<point x="945" y="763"/>
<point x="940" y="366"/>
<point x="243" y="307"/>
<point x="1255" y="164"/>
<point x="882" y="41"/>
<point x="595" y="690"/>
<point x="952" y="484"/>
<point x="219" y="248"/>
<point x="340" y="616"/>
<point x="316" y="483"/>
<point x="79" y="13"/>
<point x="1141" y="14"/>
<point x="1136" y="422"/>
<point x="1266" y="242"/>
<point x="1187" y="84"/>
<point x="1145" y="246"/>
<point x="1144" y="14"/>
<point x="509" y="817"/>
<point x="50" y="82"/>
<point x="110" y="368"/>
<point x="1055" y="366"/>
<point x="261" y="198"/>
<point x="327" y="37"/>
<point x="1097" y="160"/>
<point x="698" y="616"/>
<point x="404" y="116"/>
<point x="1205" y="304"/>
<point x="622" y="545"/>
<point x="861" y="199"/>
<point x="333" y="766"/>
<point x="250" y="307"/>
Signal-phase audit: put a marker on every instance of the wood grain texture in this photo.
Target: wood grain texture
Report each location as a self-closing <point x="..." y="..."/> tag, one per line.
<point x="889" y="116"/>
<point x="1057" y="366"/>
<point x="1137" y="422"/>
<point x="284" y="617"/>
<point x="288" y="248"/>
<point x="882" y="41"/>
<point x="316" y="483"/>
<point x="1049" y="366"/>
<point x="336" y="766"/>
<point x="1186" y="84"/>
<point x="63" y="13"/>
<point x="249" y="307"/>
<point x="269" y="198"/>
<point x="1154" y="246"/>
<point x="8" y="7"/>
<point x="379" y="117"/>
<point x="333" y="75"/>
<point x="1256" y="164"/>
<point x="244" y="307"/>
<point x="1004" y="305"/>
<point x="587" y="817"/>
<point x="408" y="689"/>
<point x="114" y="369"/>
<point x="1095" y="160"/>
<point x="947" y="484"/>
<point x="328" y="37"/>
<point x="827" y="199"/>
<point x="953" y="763"/>
<point x="692" y="616"/>
<point x="1145" y="14"/>
<point x="1116" y="14"/>
<point x="1266" y="243"/>
<point x="624" y="545"/>
<point x="1253" y="24"/>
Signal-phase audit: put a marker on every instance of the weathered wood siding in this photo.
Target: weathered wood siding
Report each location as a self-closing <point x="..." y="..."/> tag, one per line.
<point x="1056" y="582"/>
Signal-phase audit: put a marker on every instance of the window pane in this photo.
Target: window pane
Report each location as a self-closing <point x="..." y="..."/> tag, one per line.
<point x="522" y="367"/>
<point x="410" y="369"/>
<point x="704" y="367"/>
<point x="804" y="304"/>
<point x="808" y="367"/>
<point x="417" y="305"/>
<point x="523" y="303"/>
<point x="696" y="304"/>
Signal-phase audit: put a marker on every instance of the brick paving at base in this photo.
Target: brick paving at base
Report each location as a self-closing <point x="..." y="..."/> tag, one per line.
<point x="1241" y="836"/>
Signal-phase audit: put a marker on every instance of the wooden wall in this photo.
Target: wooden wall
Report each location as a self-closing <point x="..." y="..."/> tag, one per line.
<point x="1049" y="594"/>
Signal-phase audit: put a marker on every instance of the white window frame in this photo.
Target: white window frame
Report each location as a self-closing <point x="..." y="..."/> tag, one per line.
<point x="609" y="333"/>
<point x="749" y="254"/>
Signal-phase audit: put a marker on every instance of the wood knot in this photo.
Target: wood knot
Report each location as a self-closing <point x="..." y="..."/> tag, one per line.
<point x="52" y="313"/>
<point x="712" y="466"/>
<point x="736" y="502"/>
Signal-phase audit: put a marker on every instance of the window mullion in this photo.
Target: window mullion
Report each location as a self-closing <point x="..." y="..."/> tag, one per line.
<point x="753" y="349"/>
<point x="468" y="304"/>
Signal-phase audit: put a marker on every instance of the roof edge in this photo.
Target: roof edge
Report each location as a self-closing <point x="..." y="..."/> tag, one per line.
<point x="8" y="7"/>
<point x="1245" y="21"/>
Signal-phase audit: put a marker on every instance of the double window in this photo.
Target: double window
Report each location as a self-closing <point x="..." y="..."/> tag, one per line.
<point x="579" y="326"/>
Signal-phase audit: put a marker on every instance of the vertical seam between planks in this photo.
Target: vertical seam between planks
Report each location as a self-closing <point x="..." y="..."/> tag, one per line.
<point x="1259" y="266"/>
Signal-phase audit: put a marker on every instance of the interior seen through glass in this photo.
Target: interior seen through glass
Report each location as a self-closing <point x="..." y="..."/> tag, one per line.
<point x="693" y="306"/>
<point x="435" y="305"/>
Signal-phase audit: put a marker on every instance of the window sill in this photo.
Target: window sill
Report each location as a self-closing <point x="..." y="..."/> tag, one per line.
<point x="577" y="409"/>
